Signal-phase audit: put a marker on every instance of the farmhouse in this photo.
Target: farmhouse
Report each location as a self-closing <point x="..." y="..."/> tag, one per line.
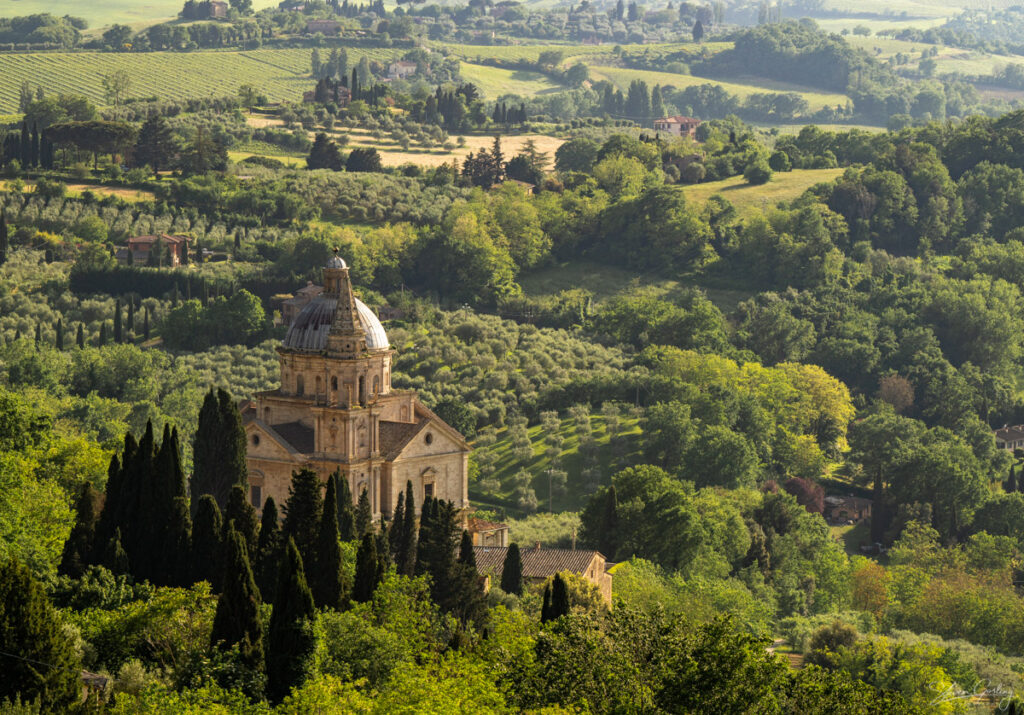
<point x="336" y="410"/>
<point x="1010" y="437"/>
<point x="323" y="27"/>
<point x="841" y="510"/>
<point x="539" y="564"/>
<point x="140" y="248"/>
<point x="401" y="69"/>
<point x="678" y="126"/>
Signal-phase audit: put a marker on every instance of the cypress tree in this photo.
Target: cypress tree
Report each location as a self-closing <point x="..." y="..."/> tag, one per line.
<point x="467" y="557"/>
<point x="302" y="512"/>
<point x="268" y="549"/>
<point x="364" y="516"/>
<point x="238" y="608"/>
<point x="327" y="581"/>
<point x="59" y="337"/>
<point x="406" y="559"/>
<point x="138" y="519"/>
<point x="115" y="558"/>
<point x="559" y="598"/>
<point x="39" y="334"/>
<point x="80" y="336"/>
<point x="395" y="535"/>
<point x="130" y="333"/>
<point x="242" y="513"/>
<point x="290" y="640"/>
<point x="608" y="542"/>
<point x="5" y="246"/>
<point x="367" y="572"/>
<point x="218" y="449"/>
<point x="79" y="548"/>
<point x="118" y="333"/>
<point x="145" y="324"/>
<point x="103" y="334"/>
<point x="40" y="662"/>
<point x="163" y="531"/>
<point x="424" y="540"/>
<point x="545" y="609"/>
<point x="346" y="515"/>
<point x="1011" y="482"/>
<point x="512" y="571"/>
<point x="207" y="529"/>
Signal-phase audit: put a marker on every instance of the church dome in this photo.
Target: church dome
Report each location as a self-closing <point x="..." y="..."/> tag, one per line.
<point x="310" y="328"/>
<point x="336" y="261"/>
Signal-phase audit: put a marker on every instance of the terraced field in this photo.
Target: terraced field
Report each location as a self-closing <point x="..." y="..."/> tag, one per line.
<point x="622" y="77"/>
<point x="281" y="74"/>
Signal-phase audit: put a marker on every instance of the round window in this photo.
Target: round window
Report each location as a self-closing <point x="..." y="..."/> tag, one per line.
<point x="429" y="439"/>
<point x="256" y="440"/>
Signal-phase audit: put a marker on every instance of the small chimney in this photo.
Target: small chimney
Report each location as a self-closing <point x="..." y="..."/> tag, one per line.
<point x="574" y="539"/>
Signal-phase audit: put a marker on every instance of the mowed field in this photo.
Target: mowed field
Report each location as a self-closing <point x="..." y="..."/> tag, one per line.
<point x="494" y="82"/>
<point x="105" y="12"/>
<point x="282" y="75"/>
<point x="622" y="77"/>
<point x="751" y="200"/>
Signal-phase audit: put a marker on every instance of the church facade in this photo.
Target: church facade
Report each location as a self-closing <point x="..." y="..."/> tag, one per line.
<point x="336" y="410"/>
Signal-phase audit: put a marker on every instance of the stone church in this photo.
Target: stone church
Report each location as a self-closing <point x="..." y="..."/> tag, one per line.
<point x="335" y="409"/>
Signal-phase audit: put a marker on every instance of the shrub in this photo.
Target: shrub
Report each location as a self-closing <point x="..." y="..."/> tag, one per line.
<point x="757" y="172"/>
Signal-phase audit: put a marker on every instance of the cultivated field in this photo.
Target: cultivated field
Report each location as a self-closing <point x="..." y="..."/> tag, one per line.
<point x="750" y="200"/>
<point x="280" y="74"/>
<point x="622" y="77"/>
<point x="105" y="12"/>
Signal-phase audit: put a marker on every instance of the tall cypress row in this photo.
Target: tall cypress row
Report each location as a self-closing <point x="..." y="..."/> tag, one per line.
<point x="290" y="639"/>
<point x="80" y="545"/>
<point x="405" y="562"/>
<point x="327" y="580"/>
<point x="238" y="608"/>
<point x="219" y="449"/>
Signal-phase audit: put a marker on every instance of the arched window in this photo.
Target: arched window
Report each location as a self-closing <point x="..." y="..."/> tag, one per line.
<point x="334" y="384"/>
<point x="300" y="385"/>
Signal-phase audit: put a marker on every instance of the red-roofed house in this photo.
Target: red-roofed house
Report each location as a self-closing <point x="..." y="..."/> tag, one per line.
<point x="140" y="248"/>
<point x="540" y="564"/>
<point x="678" y="126"/>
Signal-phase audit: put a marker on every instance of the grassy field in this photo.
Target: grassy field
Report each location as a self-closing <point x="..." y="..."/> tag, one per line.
<point x="750" y="200"/>
<point x="494" y="82"/>
<point x="105" y="12"/>
<point x="609" y="281"/>
<point x="622" y="77"/>
<point x="282" y="75"/>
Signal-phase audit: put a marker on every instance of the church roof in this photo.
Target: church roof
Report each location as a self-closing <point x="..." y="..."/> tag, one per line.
<point x="395" y="435"/>
<point x="537" y="563"/>
<point x="300" y="437"/>
<point x="310" y="328"/>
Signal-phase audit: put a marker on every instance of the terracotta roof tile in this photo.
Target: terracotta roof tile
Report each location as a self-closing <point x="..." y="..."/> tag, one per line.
<point x="537" y="563"/>
<point x="395" y="435"/>
<point x="297" y="435"/>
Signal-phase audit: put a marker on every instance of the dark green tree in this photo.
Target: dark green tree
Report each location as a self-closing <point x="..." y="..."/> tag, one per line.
<point x="324" y="154"/>
<point x="512" y="571"/>
<point x="467" y="557"/>
<point x="39" y="661"/>
<point x="302" y="512"/>
<point x="367" y="571"/>
<point x="115" y="558"/>
<point x="395" y="536"/>
<point x="268" y="550"/>
<point x="346" y="514"/>
<point x="207" y="542"/>
<point x="405" y="560"/>
<point x="5" y="245"/>
<point x="145" y="324"/>
<point x="559" y="598"/>
<point x="291" y="641"/>
<point x="80" y="336"/>
<point x="238" y="608"/>
<point x="364" y="516"/>
<point x="242" y="514"/>
<point x="218" y="449"/>
<point x="79" y="549"/>
<point x="118" y="332"/>
<point x="327" y="580"/>
<point x="58" y="340"/>
<point x="103" y="334"/>
<point x="1011" y="482"/>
